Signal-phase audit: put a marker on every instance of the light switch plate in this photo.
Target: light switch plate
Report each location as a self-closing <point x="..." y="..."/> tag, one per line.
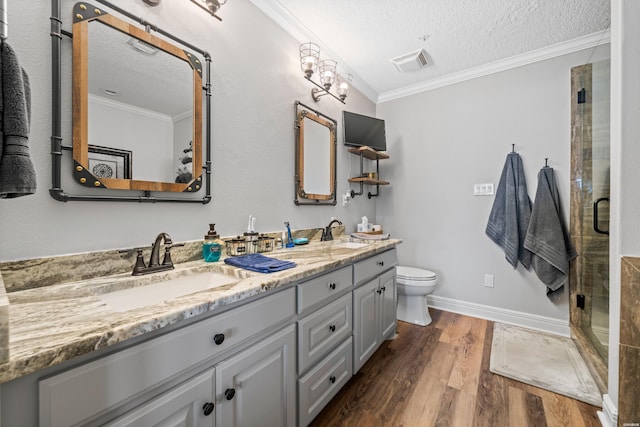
<point x="483" y="189"/>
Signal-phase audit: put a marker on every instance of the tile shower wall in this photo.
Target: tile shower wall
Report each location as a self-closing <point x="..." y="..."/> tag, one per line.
<point x="629" y="373"/>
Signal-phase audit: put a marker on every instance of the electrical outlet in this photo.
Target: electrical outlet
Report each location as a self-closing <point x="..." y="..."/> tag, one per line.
<point x="488" y="280"/>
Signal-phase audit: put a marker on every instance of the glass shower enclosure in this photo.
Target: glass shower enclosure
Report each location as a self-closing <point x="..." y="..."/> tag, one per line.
<point x="589" y="213"/>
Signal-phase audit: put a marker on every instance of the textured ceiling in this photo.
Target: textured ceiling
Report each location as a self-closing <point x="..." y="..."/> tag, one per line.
<point x="457" y="35"/>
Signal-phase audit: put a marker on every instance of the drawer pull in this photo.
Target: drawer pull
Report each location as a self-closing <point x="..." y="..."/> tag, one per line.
<point x="208" y="408"/>
<point x="381" y="263"/>
<point x="332" y="379"/>
<point x="379" y="291"/>
<point x="332" y="328"/>
<point x="332" y="286"/>
<point x="229" y="393"/>
<point x="384" y="288"/>
<point x="218" y="339"/>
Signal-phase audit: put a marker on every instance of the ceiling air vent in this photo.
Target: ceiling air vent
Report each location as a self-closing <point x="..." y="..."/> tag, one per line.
<point x="411" y="61"/>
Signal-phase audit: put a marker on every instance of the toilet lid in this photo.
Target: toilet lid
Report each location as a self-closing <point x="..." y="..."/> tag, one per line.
<point x="412" y="273"/>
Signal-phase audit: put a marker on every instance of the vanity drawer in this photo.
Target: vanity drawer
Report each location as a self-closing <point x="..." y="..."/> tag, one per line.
<point x="319" y="385"/>
<point x="371" y="267"/>
<point x="320" y="331"/>
<point x="94" y="388"/>
<point x="323" y="288"/>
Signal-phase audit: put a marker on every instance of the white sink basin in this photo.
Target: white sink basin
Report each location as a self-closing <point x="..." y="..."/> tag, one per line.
<point x="157" y="293"/>
<point x="351" y="245"/>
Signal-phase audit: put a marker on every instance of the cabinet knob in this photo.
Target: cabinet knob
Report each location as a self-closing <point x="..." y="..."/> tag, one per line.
<point x="208" y="408"/>
<point x="332" y="379"/>
<point x="229" y="393"/>
<point x="381" y="263"/>
<point x="218" y="339"/>
<point x="384" y="288"/>
<point x="379" y="291"/>
<point x="332" y="286"/>
<point x="332" y="328"/>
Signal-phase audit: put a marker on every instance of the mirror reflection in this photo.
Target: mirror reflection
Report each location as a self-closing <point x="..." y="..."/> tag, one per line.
<point x="137" y="109"/>
<point x="315" y="158"/>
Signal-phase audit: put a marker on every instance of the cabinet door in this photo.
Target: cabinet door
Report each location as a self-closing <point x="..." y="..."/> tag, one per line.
<point x="257" y="387"/>
<point x="183" y="405"/>
<point x="366" y="325"/>
<point x="388" y="304"/>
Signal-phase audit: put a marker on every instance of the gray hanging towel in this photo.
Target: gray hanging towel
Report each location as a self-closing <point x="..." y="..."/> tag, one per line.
<point x="17" y="174"/>
<point x="547" y="237"/>
<point x="509" y="217"/>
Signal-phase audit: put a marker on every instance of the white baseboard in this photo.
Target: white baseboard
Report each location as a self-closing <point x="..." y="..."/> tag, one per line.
<point x="609" y="414"/>
<point x="531" y="321"/>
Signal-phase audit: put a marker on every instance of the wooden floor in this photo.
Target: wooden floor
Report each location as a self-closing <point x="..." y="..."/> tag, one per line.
<point x="439" y="375"/>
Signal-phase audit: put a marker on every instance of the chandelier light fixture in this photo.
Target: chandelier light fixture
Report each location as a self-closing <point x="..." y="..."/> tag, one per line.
<point x="310" y="63"/>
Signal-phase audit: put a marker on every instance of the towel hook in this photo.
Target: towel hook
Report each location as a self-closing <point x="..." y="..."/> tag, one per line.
<point x="545" y="162"/>
<point x="513" y="148"/>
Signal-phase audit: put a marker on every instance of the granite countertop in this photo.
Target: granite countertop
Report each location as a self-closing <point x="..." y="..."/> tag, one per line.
<point x="52" y="324"/>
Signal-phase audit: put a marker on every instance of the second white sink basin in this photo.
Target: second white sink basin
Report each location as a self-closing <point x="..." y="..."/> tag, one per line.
<point x="351" y="245"/>
<point x="157" y="293"/>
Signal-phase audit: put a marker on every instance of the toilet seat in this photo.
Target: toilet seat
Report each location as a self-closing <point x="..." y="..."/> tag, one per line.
<point x="414" y="274"/>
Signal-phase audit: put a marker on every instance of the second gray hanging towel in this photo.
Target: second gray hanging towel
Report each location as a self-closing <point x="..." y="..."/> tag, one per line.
<point x="547" y="235"/>
<point x="511" y="211"/>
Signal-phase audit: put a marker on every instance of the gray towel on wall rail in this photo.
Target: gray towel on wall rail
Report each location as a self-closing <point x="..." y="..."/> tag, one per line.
<point x="17" y="174"/>
<point x="547" y="237"/>
<point x="509" y="217"/>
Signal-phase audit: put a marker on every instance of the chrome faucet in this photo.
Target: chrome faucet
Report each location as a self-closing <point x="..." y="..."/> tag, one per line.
<point x="326" y="232"/>
<point x="154" y="262"/>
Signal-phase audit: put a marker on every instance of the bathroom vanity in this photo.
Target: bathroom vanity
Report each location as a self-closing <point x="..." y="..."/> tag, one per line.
<point x="268" y="349"/>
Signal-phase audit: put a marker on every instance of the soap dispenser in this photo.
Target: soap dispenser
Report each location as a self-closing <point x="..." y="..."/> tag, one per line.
<point x="211" y="248"/>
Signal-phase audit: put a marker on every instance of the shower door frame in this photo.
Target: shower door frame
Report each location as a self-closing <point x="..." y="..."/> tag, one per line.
<point x="581" y="142"/>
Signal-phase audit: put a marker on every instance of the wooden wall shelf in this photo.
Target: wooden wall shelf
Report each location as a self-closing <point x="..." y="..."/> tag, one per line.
<point x="371" y="154"/>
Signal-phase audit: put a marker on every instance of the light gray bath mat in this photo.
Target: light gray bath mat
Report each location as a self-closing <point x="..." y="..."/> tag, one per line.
<point x="547" y="361"/>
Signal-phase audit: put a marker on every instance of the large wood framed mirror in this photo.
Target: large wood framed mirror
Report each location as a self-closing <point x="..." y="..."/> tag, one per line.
<point x="137" y="107"/>
<point x="315" y="178"/>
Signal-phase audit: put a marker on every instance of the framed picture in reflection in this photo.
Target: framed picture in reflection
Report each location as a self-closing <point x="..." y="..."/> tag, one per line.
<point x="107" y="162"/>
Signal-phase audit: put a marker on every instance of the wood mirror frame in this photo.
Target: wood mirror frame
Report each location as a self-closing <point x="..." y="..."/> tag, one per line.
<point x="83" y="15"/>
<point x="315" y="178"/>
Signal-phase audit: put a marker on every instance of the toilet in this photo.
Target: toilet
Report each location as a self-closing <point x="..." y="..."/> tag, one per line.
<point x="414" y="284"/>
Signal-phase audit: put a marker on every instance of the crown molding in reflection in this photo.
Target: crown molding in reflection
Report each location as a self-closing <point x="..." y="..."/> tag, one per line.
<point x="129" y="108"/>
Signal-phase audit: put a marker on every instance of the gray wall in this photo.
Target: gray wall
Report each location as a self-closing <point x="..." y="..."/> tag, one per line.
<point x="443" y="141"/>
<point x="256" y="78"/>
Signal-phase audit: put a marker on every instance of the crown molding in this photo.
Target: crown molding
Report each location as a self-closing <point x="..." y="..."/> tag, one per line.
<point x="281" y="16"/>
<point x="552" y="51"/>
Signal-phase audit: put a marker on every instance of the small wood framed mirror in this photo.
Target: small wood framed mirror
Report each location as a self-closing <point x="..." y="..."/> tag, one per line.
<point x="316" y="141"/>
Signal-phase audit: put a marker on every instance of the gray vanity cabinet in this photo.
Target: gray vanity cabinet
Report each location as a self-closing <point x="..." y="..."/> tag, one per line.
<point x="257" y="386"/>
<point x="189" y="404"/>
<point x="374" y="305"/>
<point x="254" y="387"/>
<point x="160" y="373"/>
<point x="324" y="340"/>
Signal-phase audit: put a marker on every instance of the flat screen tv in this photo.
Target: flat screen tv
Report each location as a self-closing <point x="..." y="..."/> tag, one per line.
<point x="362" y="130"/>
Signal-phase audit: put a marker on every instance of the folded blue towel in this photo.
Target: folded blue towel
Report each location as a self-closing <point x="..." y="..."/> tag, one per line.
<point x="259" y="263"/>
